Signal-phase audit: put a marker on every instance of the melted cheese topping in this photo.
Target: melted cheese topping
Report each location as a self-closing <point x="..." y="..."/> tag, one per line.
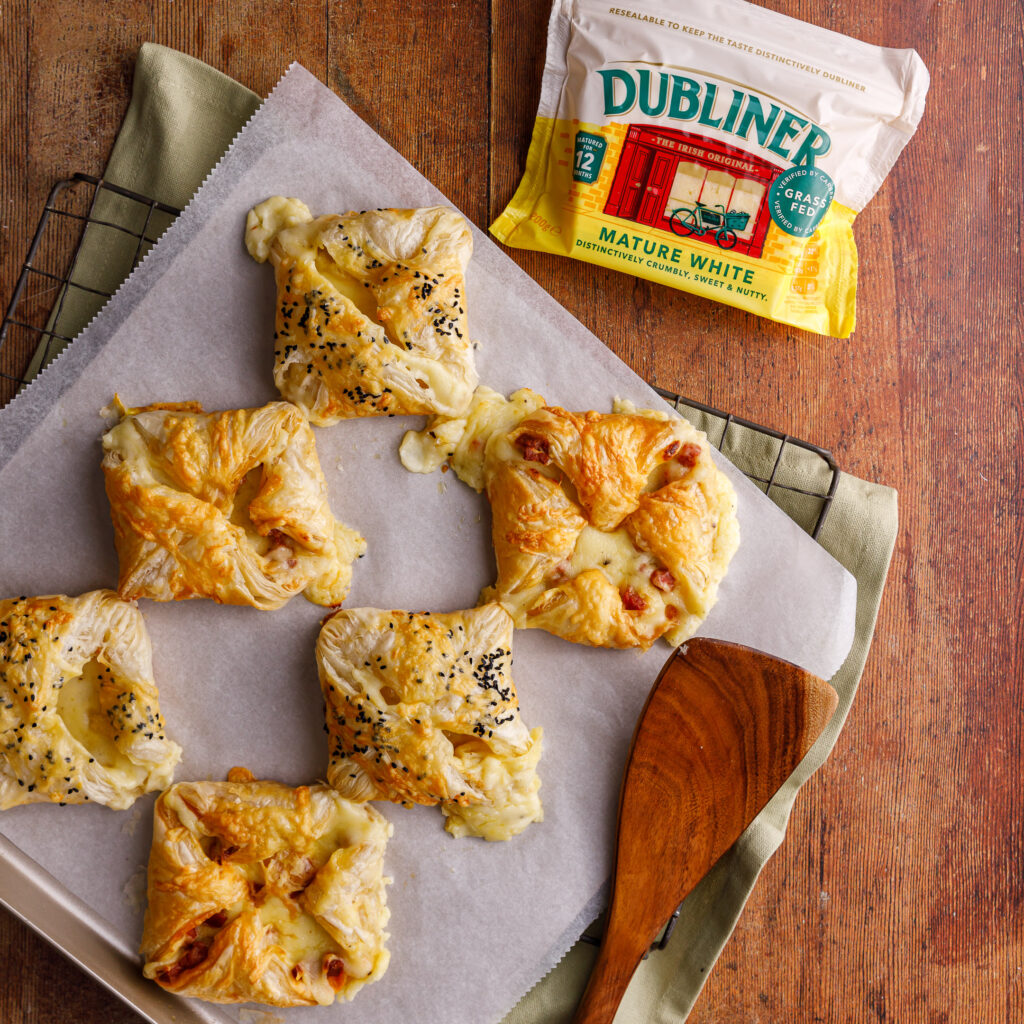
<point x="512" y="789"/>
<point x="625" y="566"/>
<point x="265" y="221"/>
<point x="471" y="440"/>
<point x="134" y="444"/>
<point x="614" y="555"/>
<point x="296" y="932"/>
<point x="78" y="704"/>
<point x="625" y="407"/>
<point x="612" y="552"/>
<point x="422" y="451"/>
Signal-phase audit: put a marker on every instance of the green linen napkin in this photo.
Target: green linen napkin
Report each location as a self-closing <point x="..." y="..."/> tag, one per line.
<point x="183" y="115"/>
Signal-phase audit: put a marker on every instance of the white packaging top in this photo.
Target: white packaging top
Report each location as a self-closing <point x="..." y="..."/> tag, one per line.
<point x="780" y="88"/>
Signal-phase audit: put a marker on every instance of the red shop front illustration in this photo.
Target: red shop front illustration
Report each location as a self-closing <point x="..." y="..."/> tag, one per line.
<point x="693" y="186"/>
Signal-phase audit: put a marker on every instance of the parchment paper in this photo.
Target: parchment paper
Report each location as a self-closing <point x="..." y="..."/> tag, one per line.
<point x="473" y="924"/>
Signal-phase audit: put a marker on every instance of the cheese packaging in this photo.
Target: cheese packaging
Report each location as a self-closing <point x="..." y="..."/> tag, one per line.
<point x="714" y="146"/>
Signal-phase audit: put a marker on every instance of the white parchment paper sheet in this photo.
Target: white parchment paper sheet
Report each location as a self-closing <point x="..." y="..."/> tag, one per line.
<point x="473" y="924"/>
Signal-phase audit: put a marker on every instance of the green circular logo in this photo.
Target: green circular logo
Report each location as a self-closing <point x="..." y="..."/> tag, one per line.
<point x="799" y="198"/>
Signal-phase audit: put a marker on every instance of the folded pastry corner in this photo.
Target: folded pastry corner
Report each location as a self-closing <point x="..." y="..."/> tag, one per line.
<point x="80" y="715"/>
<point x="421" y="709"/>
<point x="258" y="892"/>
<point x="371" y="309"/>
<point x="227" y="505"/>
<point x="609" y="529"/>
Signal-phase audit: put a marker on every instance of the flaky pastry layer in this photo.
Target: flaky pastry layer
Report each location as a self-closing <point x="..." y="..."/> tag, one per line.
<point x="371" y="309"/>
<point x="609" y="529"/>
<point x="421" y="708"/>
<point x="79" y="711"/>
<point x="227" y="505"/>
<point x="260" y="892"/>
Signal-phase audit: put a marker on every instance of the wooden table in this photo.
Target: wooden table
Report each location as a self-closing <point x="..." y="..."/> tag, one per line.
<point x="898" y="895"/>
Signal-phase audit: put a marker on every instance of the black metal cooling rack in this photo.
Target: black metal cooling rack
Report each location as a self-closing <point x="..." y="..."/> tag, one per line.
<point x="784" y="442"/>
<point x="55" y="296"/>
<point x="35" y="328"/>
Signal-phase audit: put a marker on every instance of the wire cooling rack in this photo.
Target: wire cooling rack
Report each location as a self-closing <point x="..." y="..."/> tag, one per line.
<point x="57" y="294"/>
<point x="55" y="297"/>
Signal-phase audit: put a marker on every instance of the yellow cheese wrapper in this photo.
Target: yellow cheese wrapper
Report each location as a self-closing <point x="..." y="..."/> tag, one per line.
<point x="730" y="166"/>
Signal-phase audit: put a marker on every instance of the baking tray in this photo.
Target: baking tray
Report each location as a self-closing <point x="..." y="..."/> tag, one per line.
<point x="53" y="297"/>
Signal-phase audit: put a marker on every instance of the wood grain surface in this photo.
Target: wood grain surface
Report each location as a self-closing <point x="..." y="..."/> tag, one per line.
<point x="898" y="895"/>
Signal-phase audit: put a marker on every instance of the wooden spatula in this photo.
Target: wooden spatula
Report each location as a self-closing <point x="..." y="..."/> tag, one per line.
<point x="723" y="728"/>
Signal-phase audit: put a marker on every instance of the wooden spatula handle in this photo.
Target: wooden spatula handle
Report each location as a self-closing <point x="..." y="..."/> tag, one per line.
<point x="617" y="960"/>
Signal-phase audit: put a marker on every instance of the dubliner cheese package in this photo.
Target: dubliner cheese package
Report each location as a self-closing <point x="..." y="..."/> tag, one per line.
<point x="714" y="146"/>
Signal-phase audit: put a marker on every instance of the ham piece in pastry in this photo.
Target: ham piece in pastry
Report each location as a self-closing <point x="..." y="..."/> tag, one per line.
<point x="609" y="529"/>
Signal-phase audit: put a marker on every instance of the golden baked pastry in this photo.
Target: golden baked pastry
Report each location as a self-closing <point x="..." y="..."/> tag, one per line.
<point x="371" y="317"/>
<point x="609" y="529"/>
<point x="421" y="708"/>
<point x="79" y="713"/>
<point x="260" y="892"/>
<point x="228" y="505"/>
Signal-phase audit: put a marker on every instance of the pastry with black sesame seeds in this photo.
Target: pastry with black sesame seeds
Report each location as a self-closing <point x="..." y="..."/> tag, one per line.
<point x="79" y="711"/>
<point x="421" y="709"/>
<point x="371" y="309"/>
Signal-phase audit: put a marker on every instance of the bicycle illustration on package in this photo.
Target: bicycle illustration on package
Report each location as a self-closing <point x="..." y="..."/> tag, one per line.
<point x="699" y="220"/>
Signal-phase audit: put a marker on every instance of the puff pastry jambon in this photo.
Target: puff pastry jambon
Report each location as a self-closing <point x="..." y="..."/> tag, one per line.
<point x="371" y="316"/>
<point x="609" y="529"/>
<point x="228" y="505"/>
<point x="421" y="708"/>
<point x="79" y="712"/>
<point x="260" y="892"/>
